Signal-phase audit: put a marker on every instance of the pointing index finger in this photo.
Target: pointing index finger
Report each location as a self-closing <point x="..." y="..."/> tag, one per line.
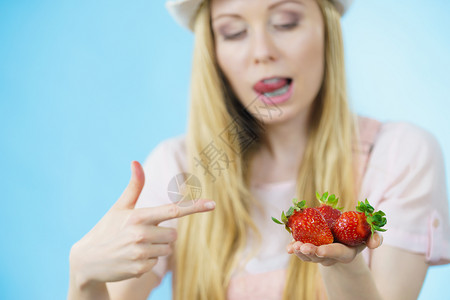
<point x="158" y="214"/>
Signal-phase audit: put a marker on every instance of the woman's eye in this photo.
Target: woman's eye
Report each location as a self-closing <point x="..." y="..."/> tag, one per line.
<point x="239" y="34"/>
<point x="234" y="36"/>
<point x="286" y="26"/>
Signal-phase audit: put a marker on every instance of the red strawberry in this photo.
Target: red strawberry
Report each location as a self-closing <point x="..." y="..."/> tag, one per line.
<point x="328" y="208"/>
<point x="354" y="227"/>
<point x="306" y="225"/>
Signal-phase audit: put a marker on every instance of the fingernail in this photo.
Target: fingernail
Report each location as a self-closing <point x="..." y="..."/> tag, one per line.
<point x="380" y="238"/>
<point x="210" y="205"/>
<point x="297" y="247"/>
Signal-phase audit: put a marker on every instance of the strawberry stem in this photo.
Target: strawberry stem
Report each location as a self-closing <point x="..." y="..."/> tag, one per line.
<point x="376" y="219"/>
<point x="298" y="205"/>
<point x="330" y="200"/>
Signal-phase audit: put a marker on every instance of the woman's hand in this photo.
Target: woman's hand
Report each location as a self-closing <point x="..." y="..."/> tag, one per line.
<point x="127" y="242"/>
<point x="330" y="254"/>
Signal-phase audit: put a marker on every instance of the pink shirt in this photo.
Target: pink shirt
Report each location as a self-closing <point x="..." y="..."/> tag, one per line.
<point x="404" y="176"/>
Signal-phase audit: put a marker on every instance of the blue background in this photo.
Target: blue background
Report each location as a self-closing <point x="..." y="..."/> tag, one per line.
<point x="88" y="86"/>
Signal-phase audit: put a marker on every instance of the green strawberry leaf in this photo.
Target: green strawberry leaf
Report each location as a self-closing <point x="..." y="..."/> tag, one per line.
<point x="369" y="207"/>
<point x="322" y="198"/>
<point x="332" y="199"/>
<point x="360" y="207"/>
<point x="327" y="199"/>
<point x="290" y="212"/>
<point x="365" y="207"/>
<point x="376" y="220"/>
<point x="301" y="205"/>
<point x="288" y="229"/>
<point x="276" y="221"/>
<point x="284" y="219"/>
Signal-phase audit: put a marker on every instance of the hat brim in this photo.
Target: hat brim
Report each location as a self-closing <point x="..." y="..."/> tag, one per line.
<point x="183" y="11"/>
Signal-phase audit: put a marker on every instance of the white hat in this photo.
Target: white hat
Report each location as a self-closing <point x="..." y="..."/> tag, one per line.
<point x="183" y="11"/>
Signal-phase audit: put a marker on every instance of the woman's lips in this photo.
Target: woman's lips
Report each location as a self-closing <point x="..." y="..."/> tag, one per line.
<point x="262" y="87"/>
<point x="278" y="99"/>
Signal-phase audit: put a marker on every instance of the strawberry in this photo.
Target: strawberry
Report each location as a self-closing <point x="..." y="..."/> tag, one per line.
<point x="306" y="225"/>
<point x="354" y="227"/>
<point x="328" y="208"/>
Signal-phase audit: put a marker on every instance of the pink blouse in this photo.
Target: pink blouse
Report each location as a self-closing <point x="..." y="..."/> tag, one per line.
<point x="402" y="173"/>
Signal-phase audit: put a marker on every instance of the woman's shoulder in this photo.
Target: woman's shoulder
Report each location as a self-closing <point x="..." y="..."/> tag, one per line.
<point x="403" y="131"/>
<point x="171" y="145"/>
<point x="402" y="151"/>
<point x="393" y="138"/>
<point x="170" y="152"/>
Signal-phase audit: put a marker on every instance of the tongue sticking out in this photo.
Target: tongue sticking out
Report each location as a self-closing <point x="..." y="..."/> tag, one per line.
<point x="264" y="87"/>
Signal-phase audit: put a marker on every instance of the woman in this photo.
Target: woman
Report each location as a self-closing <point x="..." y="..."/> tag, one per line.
<point x="269" y="121"/>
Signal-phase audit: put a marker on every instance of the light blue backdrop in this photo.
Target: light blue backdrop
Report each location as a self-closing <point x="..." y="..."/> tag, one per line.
<point x="88" y="86"/>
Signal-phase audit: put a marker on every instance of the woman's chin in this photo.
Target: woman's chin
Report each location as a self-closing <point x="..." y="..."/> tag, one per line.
<point x="273" y="117"/>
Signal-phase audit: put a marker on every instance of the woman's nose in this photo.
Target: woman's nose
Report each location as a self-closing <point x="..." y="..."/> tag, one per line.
<point x="264" y="49"/>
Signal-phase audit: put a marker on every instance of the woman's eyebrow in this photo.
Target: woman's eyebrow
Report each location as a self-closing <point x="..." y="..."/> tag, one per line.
<point x="225" y="15"/>
<point x="272" y="6"/>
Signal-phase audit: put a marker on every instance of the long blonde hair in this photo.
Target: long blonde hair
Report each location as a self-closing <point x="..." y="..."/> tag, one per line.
<point x="210" y="245"/>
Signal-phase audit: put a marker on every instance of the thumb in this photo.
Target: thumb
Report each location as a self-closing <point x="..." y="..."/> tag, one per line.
<point x="375" y="241"/>
<point x="131" y="193"/>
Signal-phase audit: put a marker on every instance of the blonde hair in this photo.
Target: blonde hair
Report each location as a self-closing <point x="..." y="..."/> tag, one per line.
<point x="210" y="245"/>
